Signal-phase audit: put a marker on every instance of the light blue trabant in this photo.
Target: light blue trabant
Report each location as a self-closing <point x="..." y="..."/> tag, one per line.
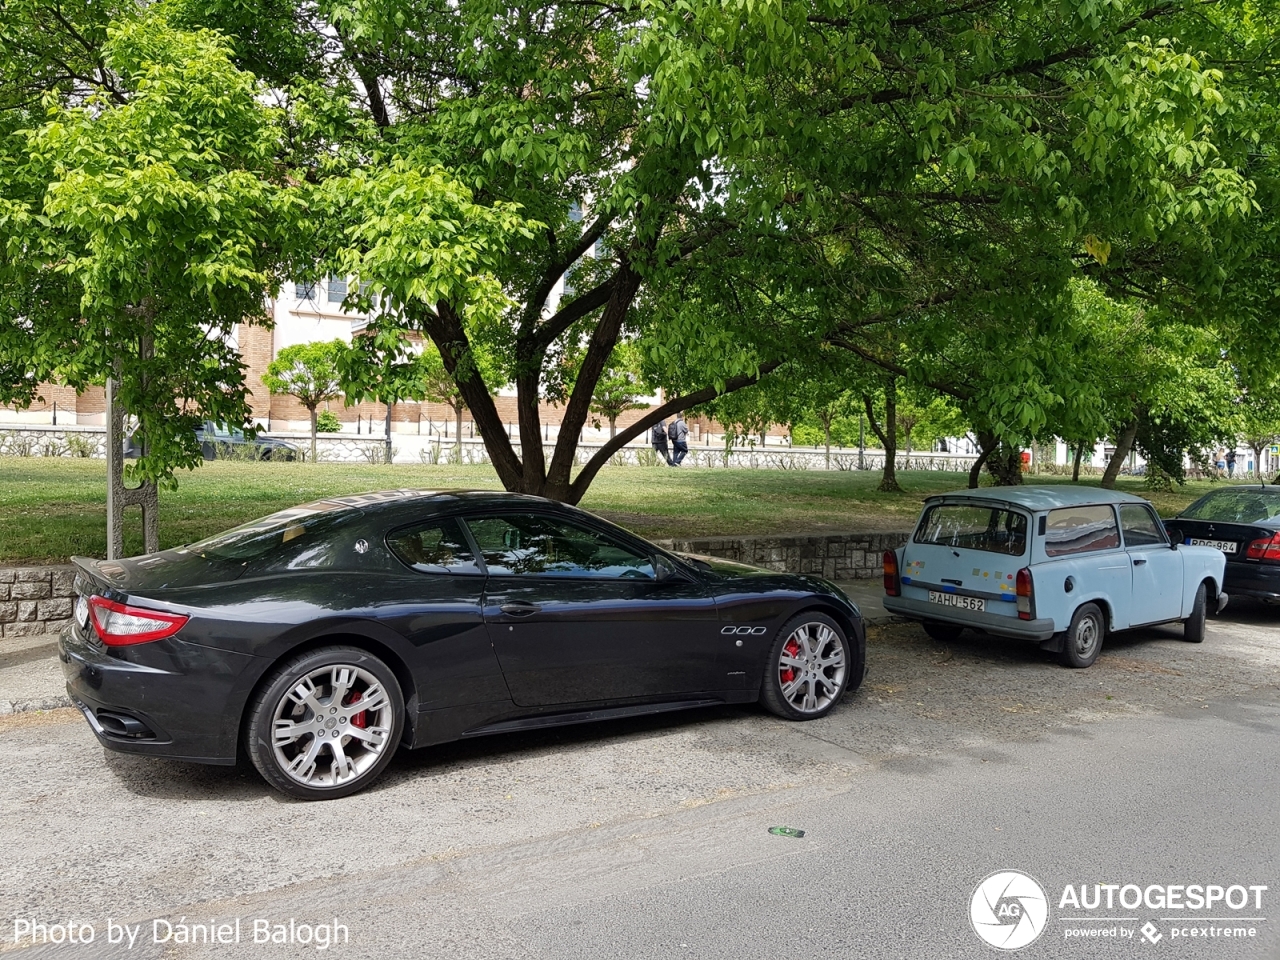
<point x="1060" y="565"/>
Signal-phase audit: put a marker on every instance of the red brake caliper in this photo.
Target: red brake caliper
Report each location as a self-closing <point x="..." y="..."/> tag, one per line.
<point x="361" y="718"/>
<point x="791" y="649"/>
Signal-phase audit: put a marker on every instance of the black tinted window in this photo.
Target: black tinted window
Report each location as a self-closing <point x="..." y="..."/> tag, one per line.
<point x="992" y="529"/>
<point x="530" y="544"/>
<point x="437" y="547"/>
<point x="1074" y="530"/>
<point x="287" y="533"/>
<point x="1140" y="526"/>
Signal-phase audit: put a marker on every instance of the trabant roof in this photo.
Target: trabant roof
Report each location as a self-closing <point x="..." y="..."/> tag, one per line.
<point x="1037" y="498"/>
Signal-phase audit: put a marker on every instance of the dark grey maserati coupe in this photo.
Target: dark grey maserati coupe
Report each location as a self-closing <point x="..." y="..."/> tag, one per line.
<point x="320" y="638"/>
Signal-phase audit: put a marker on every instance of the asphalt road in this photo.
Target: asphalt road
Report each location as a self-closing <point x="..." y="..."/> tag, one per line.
<point x="649" y="838"/>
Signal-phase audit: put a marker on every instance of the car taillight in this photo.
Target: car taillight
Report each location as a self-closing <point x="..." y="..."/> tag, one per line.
<point x="119" y="624"/>
<point x="891" y="586"/>
<point x="1025" y="594"/>
<point x="1266" y="550"/>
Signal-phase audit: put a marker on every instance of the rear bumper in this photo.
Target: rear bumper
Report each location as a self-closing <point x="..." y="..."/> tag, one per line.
<point x="1260" y="581"/>
<point x="1041" y="629"/>
<point x="183" y="705"/>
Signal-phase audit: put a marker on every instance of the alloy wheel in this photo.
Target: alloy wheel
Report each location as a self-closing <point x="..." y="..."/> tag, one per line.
<point x="811" y="667"/>
<point x="331" y="726"/>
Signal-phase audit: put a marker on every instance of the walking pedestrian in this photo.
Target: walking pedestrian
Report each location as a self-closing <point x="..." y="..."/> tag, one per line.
<point x="658" y="437"/>
<point x="679" y="434"/>
<point x="1231" y="463"/>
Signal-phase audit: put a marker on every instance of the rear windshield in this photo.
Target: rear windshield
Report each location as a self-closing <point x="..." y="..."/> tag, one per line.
<point x="298" y="528"/>
<point x="993" y="529"/>
<point x="1235" y="506"/>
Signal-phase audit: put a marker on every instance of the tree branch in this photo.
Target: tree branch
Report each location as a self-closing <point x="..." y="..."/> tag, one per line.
<point x="675" y="405"/>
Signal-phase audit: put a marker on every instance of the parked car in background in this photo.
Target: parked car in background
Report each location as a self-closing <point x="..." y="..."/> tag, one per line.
<point x="219" y="443"/>
<point x="1059" y="565"/>
<point x="319" y="639"/>
<point x="1243" y="522"/>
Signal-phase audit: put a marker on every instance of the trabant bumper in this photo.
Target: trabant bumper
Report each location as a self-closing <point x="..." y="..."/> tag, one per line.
<point x="1041" y="629"/>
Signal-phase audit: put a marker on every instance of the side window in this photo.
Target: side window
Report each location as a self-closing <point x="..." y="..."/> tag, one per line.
<point x="1073" y="530"/>
<point x="1140" y="526"/>
<point x="437" y="547"/>
<point x="527" y="544"/>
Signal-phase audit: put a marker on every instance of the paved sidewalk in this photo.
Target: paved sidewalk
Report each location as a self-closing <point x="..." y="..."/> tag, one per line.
<point x="30" y="676"/>
<point x="868" y="595"/>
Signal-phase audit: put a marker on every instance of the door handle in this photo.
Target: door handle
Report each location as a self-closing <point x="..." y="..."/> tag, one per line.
<point x="520" y="608"/>
<point x="1138" y="561"/>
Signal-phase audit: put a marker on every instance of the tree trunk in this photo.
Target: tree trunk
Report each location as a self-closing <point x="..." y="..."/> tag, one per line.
<point x="987" y="444"/>
<point x="826" y="431"/>
<point x="1005" y="465"/>
<point x="1257" y="461"/>
<point x="888" y="435"/>
<point x="457" y="413"/>
<point x="1075" y="465"/>
<point x="312" y="410"/>
<point x="389" y="402"/>
<point x="613" y="427"/>
<point x="1124" y="443"/>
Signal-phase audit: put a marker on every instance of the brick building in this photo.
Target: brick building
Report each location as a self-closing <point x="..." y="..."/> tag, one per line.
<point x="305" y="313"/>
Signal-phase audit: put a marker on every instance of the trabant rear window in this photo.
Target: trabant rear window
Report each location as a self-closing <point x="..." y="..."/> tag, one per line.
<point x="1072" y="530"/>
<point x="992" y="529"/>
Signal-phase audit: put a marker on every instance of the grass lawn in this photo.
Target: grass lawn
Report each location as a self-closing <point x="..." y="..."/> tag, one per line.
<point x="52" y="509"/>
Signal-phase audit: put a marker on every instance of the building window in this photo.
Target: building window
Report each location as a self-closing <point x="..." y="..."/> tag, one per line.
<point x="337" y="290"/>
<point x="305" y="291"/>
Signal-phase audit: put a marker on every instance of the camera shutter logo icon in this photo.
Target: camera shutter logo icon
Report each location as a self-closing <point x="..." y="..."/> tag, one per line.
<point x="1009" y="910"/>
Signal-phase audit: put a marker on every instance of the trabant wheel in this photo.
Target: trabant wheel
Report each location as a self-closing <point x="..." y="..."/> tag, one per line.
<point x="808" y="668"/>
<point x="1193" y="626"/>
<point x="326" y="723"/>
<point x="942" y="632"/>
<point x="1083" y="641"/>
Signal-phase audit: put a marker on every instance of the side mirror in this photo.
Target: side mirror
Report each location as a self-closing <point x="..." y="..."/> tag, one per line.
<point x="1175" y="537"/>
<point x="662" y="568"/>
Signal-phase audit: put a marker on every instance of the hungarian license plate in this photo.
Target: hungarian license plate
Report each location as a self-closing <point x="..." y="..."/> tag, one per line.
<point x="1226" y="546"/>
<point x="976" y="604"/>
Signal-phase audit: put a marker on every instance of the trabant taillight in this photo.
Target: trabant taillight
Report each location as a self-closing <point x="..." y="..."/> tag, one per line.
<point x="892" y="588"/>
<point x="1025" y="594"/>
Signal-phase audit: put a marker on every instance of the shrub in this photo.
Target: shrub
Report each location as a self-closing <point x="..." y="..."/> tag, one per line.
<point x="327" y="422"/>
<point x="80" y="446"/>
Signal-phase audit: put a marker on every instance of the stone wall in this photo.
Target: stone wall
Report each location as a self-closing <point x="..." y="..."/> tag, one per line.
<point x="836" y="556"/>
<point x="35" y="600"/>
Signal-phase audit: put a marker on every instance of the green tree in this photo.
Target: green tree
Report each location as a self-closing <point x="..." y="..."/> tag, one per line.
<point x="440" y="386"/>
<point x="308" y="371"/>
<point x="618" y="387"/>
<point x="381" y="364"/>
<point x="1259" y="423"/>
<point x="143" y="218"/>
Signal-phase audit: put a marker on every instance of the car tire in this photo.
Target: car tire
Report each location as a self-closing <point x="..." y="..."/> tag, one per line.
<point x="808" y="668"/>
<point x="1083" y="640"/>
<point x="1193" y="626"/>
<point x="942" y="632"/>
<point x="295" y="734"/>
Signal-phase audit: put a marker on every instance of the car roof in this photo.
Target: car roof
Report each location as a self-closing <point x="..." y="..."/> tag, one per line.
<point x="377" y="500"/>
<point x="1037" y="498"/>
